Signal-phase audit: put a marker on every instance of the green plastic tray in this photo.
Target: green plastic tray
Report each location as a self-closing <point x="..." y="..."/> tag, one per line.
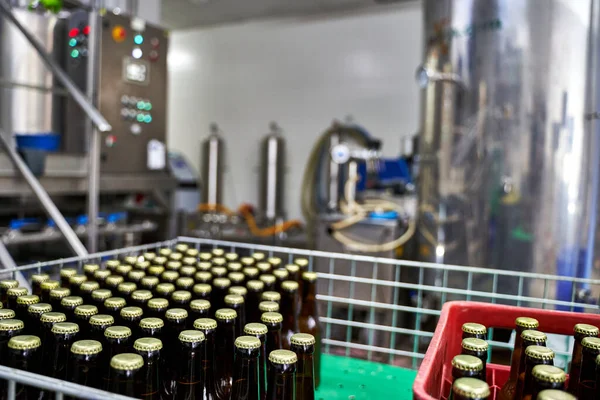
<point x="351" y="378"/>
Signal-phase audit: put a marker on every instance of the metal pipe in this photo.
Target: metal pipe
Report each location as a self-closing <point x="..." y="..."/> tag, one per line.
<point x="44" y="199"/>
<point x="5" y="258"/>
<point x="92" y="112"/>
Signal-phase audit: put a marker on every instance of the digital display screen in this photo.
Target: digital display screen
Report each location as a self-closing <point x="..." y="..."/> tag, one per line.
<point x="136" y="71"/>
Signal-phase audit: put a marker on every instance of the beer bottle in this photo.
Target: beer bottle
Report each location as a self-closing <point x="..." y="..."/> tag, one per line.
<point x="130" y="261"/>
<point x="24" y="354"/>
<point x="151" y="327"/>
<point x="47" y="321"/>
<point x="478" y="348"/>
<point x="12" y="295"/>
<point x="546" y="377"/>
<point x="98" y="325"/>
<point x="224" y="347"/>
<point x="149" y="383"/>
<point x="125" y="374"/>
<point x="204" y="266"/>
<point x="237" y="303"/>
<point x="219" y="261"/>
<point x="75" y="283"/>
<point x="65" y="276"/>
<point x="6" y="313"/>
<point x="236" y="278"/>
<point x="281" y="383"/>
<point x="99" y="296"/>
<point x="149" y="283"/>
<point x="4" y="286"/>
<point x="289" y="309"/>
<point x="84" y="364"/>
<point x="160" y="260"/>
<point x="188" y="371"/>
<point x="165" y="290"/>
<point x="188" y="262"/>
<point x="140" y="299"/>
<point x="581" y="331"/>
<point x="258" y="256"/>
<point x="157" y="307"/>
<point x="470" y="389"/>
<point x="46" y="287"/>
<point x="293" y="271"/>
<point x="182" y="248"/>
<point x="113" y="281"/>
<point x="82" y="315"/>
<point x="303" y="344"/>
<point x="149" y="256"/>
<point x="587" y="376"/>
<point x="64" y="335"/>
<point x="23" y="303"/>
<point x="551" y="394"/>
<point x="247" y="261"/>
<point x="264" y="267"/>
<point x="268" y="306"/>
<point x="113" y="306"/>
<point x="464" y="366"/>
<point x="202" y="291"/>
<point x="185" y="283"/>
<point x="474" y="330"/>
<point x="192" y="253"/>
<point x="187" y="271"/>
<point x="251" y="273"/>
<point x="34" y="312"/>
<point x="181" y="299"/>
<point x="176" y="257"/>
<point x="219" y="291"/>
<point x="175" y="323"/>
<point x="156" y="270"/>
<point x="198" y="309"/>
<point x="125" y="290"/>
<point x="219" y="272"/>
<point x="302" y="263"/>
<point x="271" y="296"/>
<point x="203" y="277"/>
<point x="117" y="340"/>
<point x="111" y="265"/>
<point x="89" y="270"/>
<point x="56" y="296"/>
<point x="268" y="280"/>
<point x="273" y="322"/>
<point x="123" y="270"/>
<point x="281" y="275"/>
<point x="260" y="332"/>
<point x="207" y="326"/>
<point x="143" y="265"/>
<point x="534" y="355"/>
<point x="246" y="370"/>
<point x="101" y="275"/>
<point x="230" y="257"/>
<point x="169" y="277"/>
<point x="69" y="304"/>
<point x="173" y="266"/>
<point x="239" y="290"/>
<point x="9" y="328"/>
<point x="131" y="317"/>
<point x="136" y="276"/>
<point x="508" y="390"/>
<point x="36" y="283"/>
<point x="275" y="262"/>
<point x="235" y="267"/>
<point x="255" y="290"/>
<point x="308" y="320"/>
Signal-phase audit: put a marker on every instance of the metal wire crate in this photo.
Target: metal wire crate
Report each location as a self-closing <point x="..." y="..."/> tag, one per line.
<point x="374" y="309"/>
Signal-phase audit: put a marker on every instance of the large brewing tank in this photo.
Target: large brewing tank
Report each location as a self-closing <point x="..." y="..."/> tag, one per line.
<point x="272" y="175"/>
<point x="212" y="167"/>
<point x="506" y="148"/>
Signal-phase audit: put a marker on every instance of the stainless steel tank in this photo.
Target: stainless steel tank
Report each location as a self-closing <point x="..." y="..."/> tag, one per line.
<point x="272" y="175"/>
<point x="506" y="147"/>
<point x="212" y="167"/>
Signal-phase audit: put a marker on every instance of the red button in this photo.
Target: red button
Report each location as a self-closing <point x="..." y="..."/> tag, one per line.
<point x="73" y="32"/>
<point x="154" y="55"/>
<point x="86" y="30"/>
<point x="154" y="42"/>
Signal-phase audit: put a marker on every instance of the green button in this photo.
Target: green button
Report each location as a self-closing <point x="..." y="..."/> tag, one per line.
<point x="148" y="118"/>
<point x="140" y="117"/>
<point x="75" y="53"/>
<point x="73" y="42"/>
<point x="141" y="105"/>
<point x="148" y="106"/>
<point x="138" y="39"/>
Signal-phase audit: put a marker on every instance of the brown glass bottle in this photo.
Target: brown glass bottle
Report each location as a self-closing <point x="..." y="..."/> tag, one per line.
<point x="164" y="290"/>
<point x="6" y="313"/>
<point x="281" y="275"/>
<point x="140" y="298"/>
<point x="282" y="375"/>
<point x="202" y="291"/>
<point x="69" y="304"/>
<point x="581" y="331"/>
<point x="185" y="283"/>
<point x="113" y="306"/>
<point x="273" y="321"/>
<point x="208" y="326"/>
<point x="550" y="394"/>
<point x="36" y="283"/>
<point x="157" y="307"/>
<point x="33" y="325"/>
<point x="474" y="330"/>
<point x="239" y="290"/>
<point x="125" y="373"/>
<point x="294" y="272"/>
<point x="117" y="340"/>
<point x="189" y="262"/>
<point x="308" y="320"/>
<point x="75" y="283"/>
<point x="236" y="278"/>
<point x="12" y="295"/>
<point x="269" y="281"/>
<point x="175" y="323"/>
<point x="271" y="296"/>
<point x="246" y="371"/>
<point x="131" y="317"/>
<point x="218" y="272"/>
<point x="236" y="302"/>
<point x="587" y="377"/>
<point x="198" y="309"/>
<point x="470" y="389"/>
<point x="160" y="260"/>
<point x="47" y="321"/>
<point x="98" y="325"/>
<point x="24" y="354"/>
<point x="23" y="303"/>
<point x="260" y="332"/>
<point x="181" y="299"/>
<point x="169" y="277"/>
<point x="188" y="371"/>
<point x="230" y="257"/>
<point x="82" y="315"/>
<point x="204" y="266"/>
<point x="220" y="287"/>
<point x="264" y="267"/>
<point x="251" y="273"/>
<point x="130" y="260"/>
<point x="149" y="256"/>
<point x="9" y="328"/>
<point x="303" y="344"/>
<point x="545" y="377"/>
<point x="259" y="256"/>
<point x="247" y="261"/>
<point x="268" y="306"/>
<point x="149" y="382"/>
<point x="125" y="290"/>
<point x="112" y="282"/>
<point x="4" y="286"/>
<point x="123" y="270"/>
<point x="224" y="347"/>
<point x="99" y="296"/>
<point x="149" y="283"/>
<point x="84" y="364"/>
<point x="89" y="270"/>
<point x="111" y="265"/>
<point x="64" y="334"/>
<point x="46" y="287"/>
<point x="155" y="270"/>
<point x="188" y="271"/>
<point x="86" y="289"/>
<point x="235" y="266"/>
<point x="478" y="348"/>
<point x="56" y="296"/>
<point x="255" y="290"/>
<point x="100" y="276"/>
<point x="289" y="310"/>
<point x="534" y="355"/>
<point x="136" y="276"/>
<point x="508" y="390"/>
<point x="65" y="276"/>
<point x="464" y="366"/>
<point x="151" y="327"/>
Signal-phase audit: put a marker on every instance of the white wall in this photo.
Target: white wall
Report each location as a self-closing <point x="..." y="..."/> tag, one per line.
<point x="300" y="73"/>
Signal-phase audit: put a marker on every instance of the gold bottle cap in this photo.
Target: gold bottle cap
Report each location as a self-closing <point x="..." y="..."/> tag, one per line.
<point x="471" y="388"/>
<point x="236" y="277"/>
<point x="247" y="342"/>
<point x="251" y="272"/>
<point x="39" y="278"/>
<point x="176" y="313"/>
<point x="218" y="252"/>
<point x="6" y="313"/>
<point x="39" y="308"/>
<point x="158" y="303"/>
<point x="204" y="266"/>
<point x="205" y="256"/>
<point x="302" y="339"/>
<point x="200" y="305"/>
<point x="255" y="285"/>
<point x="65" y="328"/>
<point x="239" y="290"/>
<point x="173" y="265"/>
<point x="136" y="275"/>
<point x="182" y="247"/>
<point x="247" y="261"/>
<point x="169" y="276"/>
<point x="131" y="312"/>
<point x="127" y="287"/>
<point x="165" y="288"/>
<point x="10" y="283"/>
<point x="50" y="285"/>
<point x="165" y="252"/>
<point x="539" y="353"/>
<point x="86" y="347"/>
<point x="283" y="357"/>
<point x="233" y="299"/>
<point x="77" y="279"/>
<point x="101" y="274"/>
<point x="281" y="273"/>
<point x="24" y="342"/>
<point x="187" y="271"/>
<point x="101" y="294"/>
<point x="467" y="363"/>
<point x="267" y="279"/>
<point x="89" y="286"/>
<point x="143" y="266"/>
<point x="17" y="292"/>
<point x="102" y="319"/>
<point x="202" y="288"/>
<point x="271" y="318"/>
<point x="127" y="362"/>
<point x="192" y="253"/>
<point x="534" y="336"/>
<point x="225" y="314"/>
<point x="91" y="268"/>
<point x="149" y="256"/>
<point x="141" y="295"/>
<point x="160" y="260"/>
<point x="60" y="293"/>
<point x="301" y="262"/>
<point x="203" y="276"/>
<point x="205" y="324"/>
<point x="86" y="310"/>
<point x="156" y="270"/>
<point x="112" y="264"/>
<point x="553" y="394"/>
<point x="586" y="330"/>
<point x="312" y="277"/>
<point x="11" y="324"/>
<point x="258" y="256"/>
<point x="231" y="256"/>
<point x="268" y="306"/>
<point x="191" y="336"/>
<point x="53" y="317"/>
<point x="219" y="261"/>
<point x="115" y="302"/>
<point x="185" y="282"/>
<point x="472" y="328"/>
<point x="289" y="286"/>
<point x="188" y="261"/>
<point x="591" y="342"/>
<point x="130" y="260"/>
<point x="68" y="272"/>
<point x="222" y="283"/>
<point x="151" y="323"/>
<point x="117" y="332"/>
<point x="124" y="269"/>
<point x="114" y="280"/>
<point x="597" y="360"/>
<point x="28" y="299"/>
<point x="527" y="323"/>
<point x="263" y="267"/>
<point x="292" y="268"/>
<point x="474" y="344"/>
<point x="255" y="328"/>
<point x="548" y="373"/>
<point x="218" y="272"/>
<point x="181" y="295"/>
<point x="274" y="261"/>
<point x="271" y="296"/>
<point x="148" y="344"/>
<point x="71" y="301"/>
<point x="149" y="281"/>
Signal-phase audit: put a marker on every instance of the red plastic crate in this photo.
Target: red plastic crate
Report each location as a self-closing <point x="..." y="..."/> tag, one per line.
<point x="430" y="384"/>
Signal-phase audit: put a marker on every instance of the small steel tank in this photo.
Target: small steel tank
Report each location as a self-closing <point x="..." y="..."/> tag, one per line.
<point x="212" y="167"/>
<point x="272" y="175"/>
